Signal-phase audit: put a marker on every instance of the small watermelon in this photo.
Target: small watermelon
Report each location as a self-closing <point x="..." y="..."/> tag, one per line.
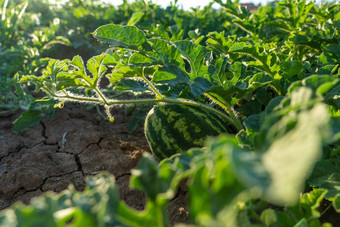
<point x="172" y="128"/>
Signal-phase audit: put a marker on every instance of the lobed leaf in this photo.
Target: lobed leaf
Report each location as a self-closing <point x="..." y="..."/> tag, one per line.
<point x="121" y="36"/>
<point x="195" y="55"/>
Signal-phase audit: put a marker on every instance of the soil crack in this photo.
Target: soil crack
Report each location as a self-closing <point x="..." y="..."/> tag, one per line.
<point x="12" y="152"/>
<point x="19" y="149"/>
<point x="44" y="130"/>
<point x="19" y="191"/>
<point x="123" y="175"/>
<point x="96" y="143"/>
<point x="79" y="165"/>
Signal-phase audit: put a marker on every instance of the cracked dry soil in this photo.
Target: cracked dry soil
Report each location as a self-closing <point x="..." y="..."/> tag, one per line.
<point x="63" y="150"/>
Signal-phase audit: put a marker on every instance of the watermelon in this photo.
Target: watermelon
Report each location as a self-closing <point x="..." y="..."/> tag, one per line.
<point x="172" y="128"/>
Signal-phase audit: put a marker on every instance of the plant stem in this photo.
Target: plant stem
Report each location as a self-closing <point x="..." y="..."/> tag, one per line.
<point x="200" y="105"/>
<point x="160" y="215"/>
<point x="100" y="113"/>
<point x="325" y="210"/>
<point x="101" y="95"/>
<point x="111" y="102"/>
<point x="158" y="94"/>
<point x="227" y="107"/>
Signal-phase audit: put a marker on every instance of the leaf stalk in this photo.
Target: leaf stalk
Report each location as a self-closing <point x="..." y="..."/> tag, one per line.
<point x="228" y="108"/>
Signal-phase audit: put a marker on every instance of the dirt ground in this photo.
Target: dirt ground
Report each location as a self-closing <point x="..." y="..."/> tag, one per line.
<point x="63" y="150"/>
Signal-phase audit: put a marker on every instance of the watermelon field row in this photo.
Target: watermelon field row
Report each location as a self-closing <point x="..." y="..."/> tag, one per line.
<point x="241" y="107"/>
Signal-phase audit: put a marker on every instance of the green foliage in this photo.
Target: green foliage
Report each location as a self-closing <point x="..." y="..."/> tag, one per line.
<point x="23" y="45"/>
<point x="272" y="75"/>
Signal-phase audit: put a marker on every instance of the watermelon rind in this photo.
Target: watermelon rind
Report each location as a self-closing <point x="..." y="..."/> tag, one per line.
<point x="173" y="128"/>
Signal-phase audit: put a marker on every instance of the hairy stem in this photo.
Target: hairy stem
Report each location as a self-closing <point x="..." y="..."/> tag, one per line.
<point x="111" y="102"/>
<point x="158" y="94"/>
<point x="227" y="107"/>
<point x="101" y="95"/>
<point x="200" y="105"/>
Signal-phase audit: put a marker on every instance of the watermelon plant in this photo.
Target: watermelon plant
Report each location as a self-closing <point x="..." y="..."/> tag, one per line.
<point x="266" y="87"/>
<point x="61" y="77"/>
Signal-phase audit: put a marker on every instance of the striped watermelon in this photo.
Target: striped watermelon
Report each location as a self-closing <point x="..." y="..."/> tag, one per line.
<point x="172" y="128"/>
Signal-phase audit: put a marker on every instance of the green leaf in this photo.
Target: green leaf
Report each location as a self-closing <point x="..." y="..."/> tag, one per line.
<point x="176" y="32"/>
<point x="37" y="81"/>
<point x="235" y="93"/>
<point x="121" y="36"/>
<point x="273" y="104"/>
<point x="323" y="170"/>
<point x="238" y="70"/>
<point x="32" y="117"/>
<point x="146" y="173"/>
<point x="291" y="68"/>
<point x="66" y="80"/>
<point x="251" y="107"/>
<point x="332" y="184"/>
<point x="152" y="215"/>
<point x="111" y="59"/>
<point x="195" y="55"/>
<point x="289" y="168"/>
<point x="310" y="202"/>
<point x="263" y="96"/>
<point x="135" y="18"/>
<point x="253" y="123"/>
<point x="78" y="62"/>
<point x="163" y="75"/>
<point x="214" y="183"/>
<point x="133" y="124"/>
<point x="268" y="217"/>
<point x="140" y="60"/>
<point x="323" y="86"/>
<point x="330" y="55"/>
<point x="165" y="53"/>
<point x="218" y="74"/>
<point x="313" y="82"/>
<point x="249" y="169"/>
<point x="336" y="203"/>
<point x="266" y="61"/>
<point x="132" y="84"/>
<point x="308" y="208"/>
<point x="122" y="71"/>
<point x="97" y="205"/>
<point x="220" y="42"/>
<point x="199" y="86"/>
<point x="96" y="67"/>
<point x="170" y="75"/>
<point x="53" y="68"/>
<point x="332" y="97"/>
<point x="327" y="69"/>
<point x="302" y="223"/>
<point x="79" y="69"/>
<point x="284" y="220"/>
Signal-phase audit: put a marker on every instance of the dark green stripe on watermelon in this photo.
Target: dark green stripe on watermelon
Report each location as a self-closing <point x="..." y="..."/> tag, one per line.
<point x="172" y="128"/>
